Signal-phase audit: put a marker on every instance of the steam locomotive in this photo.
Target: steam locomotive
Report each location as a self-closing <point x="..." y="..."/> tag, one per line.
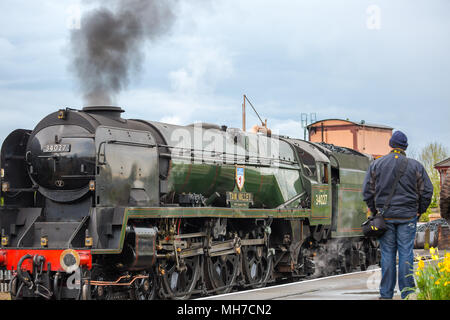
<point x="95" y="206"/>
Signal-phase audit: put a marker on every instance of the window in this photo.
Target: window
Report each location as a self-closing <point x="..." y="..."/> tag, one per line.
<point x="309" y="164"/>
<point x="323" y="173"/>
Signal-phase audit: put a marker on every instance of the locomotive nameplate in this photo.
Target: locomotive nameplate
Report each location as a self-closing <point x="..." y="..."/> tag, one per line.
<point x="56" y="148"/>
<point x="240" y="196"/>
<point x="239" y="199"/>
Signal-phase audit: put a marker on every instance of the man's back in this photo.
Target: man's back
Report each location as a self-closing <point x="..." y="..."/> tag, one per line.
<point x="413" y="192"/>
<point x="412" y="196"/>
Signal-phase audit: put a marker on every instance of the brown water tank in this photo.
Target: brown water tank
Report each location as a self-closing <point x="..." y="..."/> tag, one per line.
<point x="364" y="137"/>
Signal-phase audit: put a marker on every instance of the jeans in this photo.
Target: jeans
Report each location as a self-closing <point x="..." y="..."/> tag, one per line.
<point x="399" y="236"/>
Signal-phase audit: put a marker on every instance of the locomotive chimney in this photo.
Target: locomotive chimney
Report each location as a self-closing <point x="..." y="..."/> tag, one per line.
<point x="105" y="111"/>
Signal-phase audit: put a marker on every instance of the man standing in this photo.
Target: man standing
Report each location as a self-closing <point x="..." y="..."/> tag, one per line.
<point x="411" y="198"/>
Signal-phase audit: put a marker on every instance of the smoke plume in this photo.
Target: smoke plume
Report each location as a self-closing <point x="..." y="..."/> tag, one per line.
<point x="108" y="48"/>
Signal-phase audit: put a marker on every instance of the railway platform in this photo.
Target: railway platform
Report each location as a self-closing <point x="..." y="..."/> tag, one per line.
<point x="361" y="285"/>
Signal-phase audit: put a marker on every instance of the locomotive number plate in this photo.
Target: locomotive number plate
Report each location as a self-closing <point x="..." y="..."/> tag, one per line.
<point x="56" y="148"/>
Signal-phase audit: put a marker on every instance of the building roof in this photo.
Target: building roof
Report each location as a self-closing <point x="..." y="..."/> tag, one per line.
<point x="443" y="163"/>
<point x="362" y="123"/>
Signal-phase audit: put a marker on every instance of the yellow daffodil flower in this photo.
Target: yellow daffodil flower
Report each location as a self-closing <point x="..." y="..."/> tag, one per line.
<point x="421" y="265"/>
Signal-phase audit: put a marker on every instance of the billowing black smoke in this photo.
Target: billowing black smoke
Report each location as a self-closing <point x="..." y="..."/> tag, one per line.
<point x="108" y="48"/>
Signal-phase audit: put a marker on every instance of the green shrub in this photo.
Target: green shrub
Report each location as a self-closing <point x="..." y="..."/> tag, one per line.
<point x="425" y="216"/>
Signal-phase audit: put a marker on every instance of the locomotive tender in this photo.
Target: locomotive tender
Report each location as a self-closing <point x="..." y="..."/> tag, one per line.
<point x="95" y="206"/>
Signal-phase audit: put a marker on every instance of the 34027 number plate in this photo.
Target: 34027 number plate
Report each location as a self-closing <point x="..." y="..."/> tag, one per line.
<point x="56" y="148"/>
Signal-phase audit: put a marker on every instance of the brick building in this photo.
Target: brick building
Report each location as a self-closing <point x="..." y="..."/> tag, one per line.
<point x="442" y="167"/>
<point x="364" y="137"/>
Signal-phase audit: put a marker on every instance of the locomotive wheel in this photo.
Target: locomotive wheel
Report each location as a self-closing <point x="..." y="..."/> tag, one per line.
<point x="327" y="262"/>
<point x="305" y="262"/>
<point x="378" y="254"/>
<point x="221" y="271"/>
<point x="345" y="262"/>
<point x="179" y="284"/>
<point x="362" y="260"/>
<point x="144" y="289"/>
<point x="257" y="264"/>
<point x="373" y="253"/>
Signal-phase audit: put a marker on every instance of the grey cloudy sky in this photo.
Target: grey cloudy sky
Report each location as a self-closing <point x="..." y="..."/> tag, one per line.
<point x="289" y="56"/>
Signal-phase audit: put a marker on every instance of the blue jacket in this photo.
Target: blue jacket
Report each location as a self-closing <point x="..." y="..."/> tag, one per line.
<point x="412" y="195"/>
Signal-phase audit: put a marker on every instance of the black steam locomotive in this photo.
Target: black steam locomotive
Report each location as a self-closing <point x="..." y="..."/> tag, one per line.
<point x="95" y="206"/>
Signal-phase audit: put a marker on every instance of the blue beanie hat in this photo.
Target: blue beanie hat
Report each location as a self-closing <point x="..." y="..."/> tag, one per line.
<point x="398" y="140"/>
